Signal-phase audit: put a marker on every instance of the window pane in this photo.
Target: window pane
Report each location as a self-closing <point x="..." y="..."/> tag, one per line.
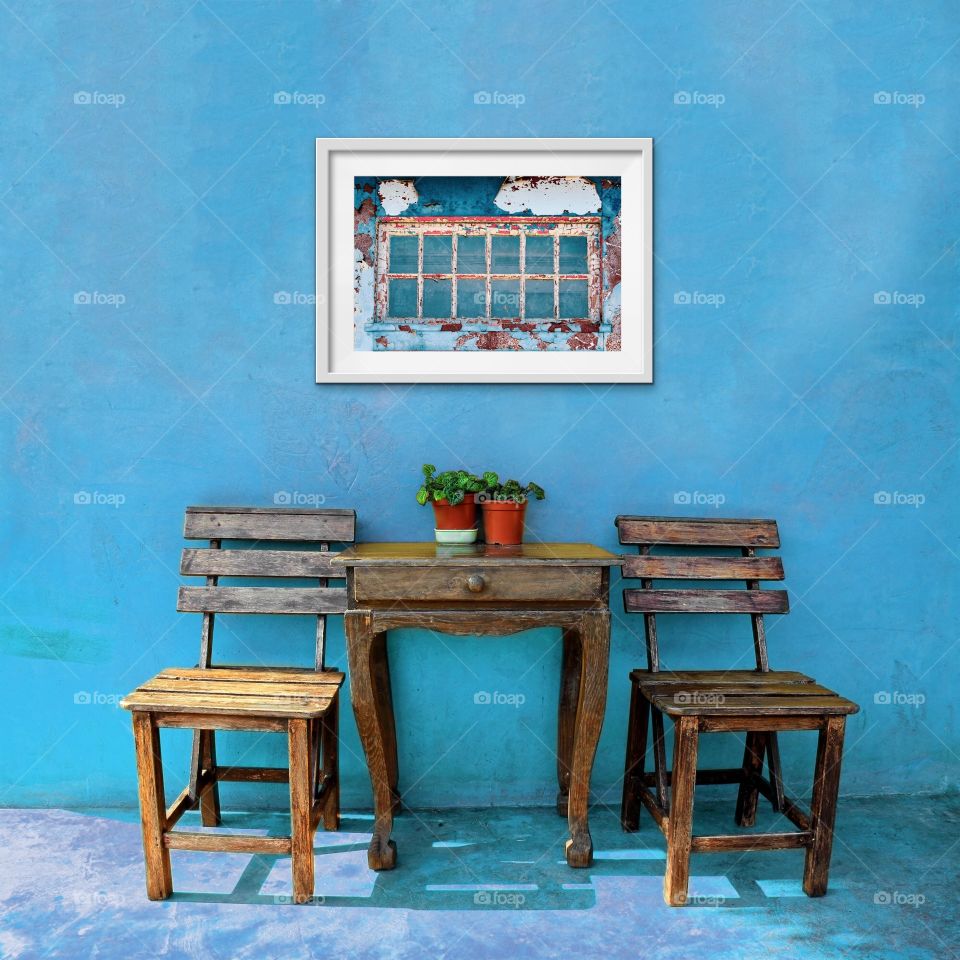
<point x="573" y="254"/>
<point x="471" y="254"/>
<point x="573" y="298"/>
<point x="437" y="254"/>
<point x="505" y="254"/>
<point x="436" y="298"/>
<point x="471" y="298"/>
<point x="539" y="300"/>
<point x="539" y="254"/>
<point x="505" y="298"/>
<point x="403" y="298"/>
<point x="403" y="254"/>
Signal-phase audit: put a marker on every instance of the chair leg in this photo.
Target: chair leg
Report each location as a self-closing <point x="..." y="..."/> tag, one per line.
<point x="331" y="766"/>
<point x="659" y="758"/>
<point x="680" y="831"/>
<point x="823" y="808"/>
<point x="748" y="793"/>
<point x="210" y="798"/>
<point x="775" y="770"/>
<point x="636" y="756"/>
<point x="301" y="807"/>
<point x="153" y="814"/>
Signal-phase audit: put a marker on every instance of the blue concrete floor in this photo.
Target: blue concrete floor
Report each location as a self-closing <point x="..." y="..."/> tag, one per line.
<point x="484" y="883"/>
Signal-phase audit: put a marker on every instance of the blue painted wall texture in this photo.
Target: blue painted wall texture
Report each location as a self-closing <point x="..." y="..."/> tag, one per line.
<point x="157" y="233"/>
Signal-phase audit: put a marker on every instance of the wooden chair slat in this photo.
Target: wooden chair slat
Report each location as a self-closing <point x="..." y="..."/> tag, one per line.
<point x="682" y="689"/>
<point x="195" y="562"/>
<point x="702" y="568"/>
<point x="757" y="706"/>
<point x="251" y="523"/>
<point x="719" y="678"/>
<point x="236" y="687"/>
<point x="283" y="600"/>
<point x="706" y="601"/>
<point x="698" y="532"/>
<point x="216" y="703"/>
<point x="254" y="674"/>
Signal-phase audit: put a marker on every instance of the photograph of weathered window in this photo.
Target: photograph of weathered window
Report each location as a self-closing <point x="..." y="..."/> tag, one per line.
<point x="487" y="263"/>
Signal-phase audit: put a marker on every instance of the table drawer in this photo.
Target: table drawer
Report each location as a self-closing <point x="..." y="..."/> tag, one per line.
<point x="477" y="583"/>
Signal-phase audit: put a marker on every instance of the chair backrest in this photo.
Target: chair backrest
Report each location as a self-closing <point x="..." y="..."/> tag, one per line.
<point x="250" y="527"/>
<point x="670" y="534"/>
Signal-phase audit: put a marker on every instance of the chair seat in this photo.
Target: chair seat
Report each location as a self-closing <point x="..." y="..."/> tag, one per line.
<point x="739" y="693"/>
<point x="232" y="691"/>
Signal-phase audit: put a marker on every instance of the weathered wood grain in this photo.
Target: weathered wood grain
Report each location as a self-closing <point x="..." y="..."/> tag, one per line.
<point x="697" y="531"/>
<point x="278" y="600"/>
<point x="269" y="523"/>
<point x="706" y="601"/>
<point x="476" y="583"/>
<point x="680" y="832"/>
<point x="195" y="562"/>
<point x="702" y="568"/>
<point x="153" y="814"/>
<point x="823" y="808"/>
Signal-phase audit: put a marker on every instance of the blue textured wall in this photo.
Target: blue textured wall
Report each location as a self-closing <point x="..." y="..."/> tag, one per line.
<point x="806" y="278"/>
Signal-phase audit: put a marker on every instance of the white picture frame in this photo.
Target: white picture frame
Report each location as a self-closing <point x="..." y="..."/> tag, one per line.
<point x="339" y="161"/>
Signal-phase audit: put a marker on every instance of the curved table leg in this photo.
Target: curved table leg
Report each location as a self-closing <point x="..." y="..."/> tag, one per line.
<point x="361" y="654"/>
<point x="383" y="694"/>
<point x="567" y="715"/>
<point x="594" y="632"/>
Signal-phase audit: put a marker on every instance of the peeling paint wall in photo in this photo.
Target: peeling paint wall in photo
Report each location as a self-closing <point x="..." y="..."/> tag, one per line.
<point x="548" y="305"/>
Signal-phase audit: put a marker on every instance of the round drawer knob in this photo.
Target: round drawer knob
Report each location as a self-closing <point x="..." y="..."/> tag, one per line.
<point x="475" y="583"/>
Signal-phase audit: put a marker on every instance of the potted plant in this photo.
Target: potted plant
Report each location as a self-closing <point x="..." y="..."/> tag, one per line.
<point x="452" y="494"/>
<point x="504" y="508"/>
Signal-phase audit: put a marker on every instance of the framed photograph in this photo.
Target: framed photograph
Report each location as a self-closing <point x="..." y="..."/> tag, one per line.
<point x="485" y="261"/>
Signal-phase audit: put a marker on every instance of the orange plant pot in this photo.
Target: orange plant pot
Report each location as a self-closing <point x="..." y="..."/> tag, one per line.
<point x="503" y="521"/>
<point x="463" y="516"/>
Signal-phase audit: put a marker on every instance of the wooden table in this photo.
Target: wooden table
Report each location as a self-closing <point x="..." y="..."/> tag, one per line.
<point x="471" y="590"/>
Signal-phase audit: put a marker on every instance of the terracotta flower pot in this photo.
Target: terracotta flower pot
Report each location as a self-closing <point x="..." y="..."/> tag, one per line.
<point x="503" y="521"/>
<point x="463" y="516"/>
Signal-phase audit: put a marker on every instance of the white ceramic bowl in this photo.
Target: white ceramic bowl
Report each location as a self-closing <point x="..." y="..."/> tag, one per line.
<point x="456" y="536"/>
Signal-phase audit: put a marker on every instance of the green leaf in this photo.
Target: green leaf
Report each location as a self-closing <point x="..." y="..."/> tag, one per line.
<point x="422" y="495"/>
<point x="429" y="470"/>
<point x="455" y="497"/>
<point x="490" y="478"/>
<point x="538" y="491"/>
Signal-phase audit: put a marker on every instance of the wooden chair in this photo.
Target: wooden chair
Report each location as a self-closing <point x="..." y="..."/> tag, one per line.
<point x="249" y="527"/>
<point x="758" y="702"/>
<point x="303" y="704"/>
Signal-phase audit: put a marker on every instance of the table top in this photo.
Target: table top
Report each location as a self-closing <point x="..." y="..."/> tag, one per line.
<point x="436" y="554"/>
